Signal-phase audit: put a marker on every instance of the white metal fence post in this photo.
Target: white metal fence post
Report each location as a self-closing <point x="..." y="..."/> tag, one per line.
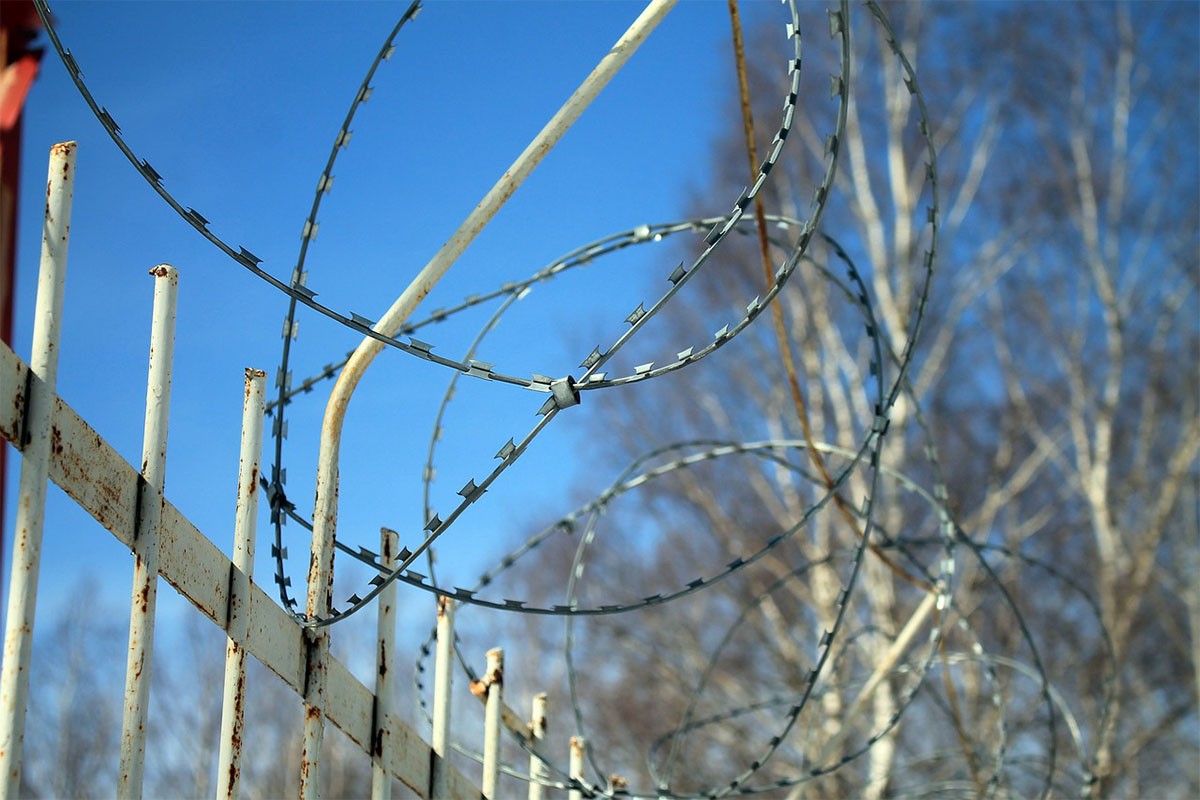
<point x="493" y="685"/>
<point x="145" y="534"/>
<point x="578" y="747"/>
<point x="240" y="579"/>
<point x="320" y="589"/>
<point x="538" y="772"/>
<point x="31" y="492"/>
<point x="443" y="678"/>
<point x="381" y="781"/>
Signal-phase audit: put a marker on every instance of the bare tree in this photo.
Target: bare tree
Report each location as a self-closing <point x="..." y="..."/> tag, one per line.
<point x="1100" y="363"/>
<point x="75" y="706"/>
<point x="1055" y="379"/>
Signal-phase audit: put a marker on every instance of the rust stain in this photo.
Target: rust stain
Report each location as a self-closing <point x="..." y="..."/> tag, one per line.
<point x="19" y="409"/>
<point x="56" y="443"/>
<point x="495" y="673"/>
<point x="479" y="688"/>
<point x="160" y="271"/>
<point x="239" y="704"/>
<point x="251" y="374"/>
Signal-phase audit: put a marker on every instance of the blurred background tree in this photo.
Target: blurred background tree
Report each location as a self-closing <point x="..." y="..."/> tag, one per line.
<point x="1057" y="372"/>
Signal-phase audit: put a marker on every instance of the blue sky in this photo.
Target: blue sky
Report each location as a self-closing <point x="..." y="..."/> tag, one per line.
<point x="236" y="105"/>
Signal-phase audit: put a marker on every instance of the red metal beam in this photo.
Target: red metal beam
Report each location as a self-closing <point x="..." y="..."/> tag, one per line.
<point x="19" y="26"/>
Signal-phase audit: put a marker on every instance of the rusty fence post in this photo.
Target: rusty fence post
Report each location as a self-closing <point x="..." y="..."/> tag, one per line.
<point x="35" y="465"/>
<point x="316" y="669"/>
<point x="443" y="678"/>
<point x="578" y="748"/>
<point x="381" y="781"/>
<point x="241" y="577"/>
<point x="145" y="534"/>
<point x="491" y="685"/>
<point x="538" y="771"/>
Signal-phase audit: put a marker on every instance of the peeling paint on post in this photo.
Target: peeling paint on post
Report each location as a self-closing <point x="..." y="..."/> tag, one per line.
<point x="241" y="576"/>
<point x="317" y="647"/>
<point x="31" y="491"/>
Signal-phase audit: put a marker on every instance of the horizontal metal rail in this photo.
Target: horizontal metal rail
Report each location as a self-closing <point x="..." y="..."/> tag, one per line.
<point x="105" y="485"/>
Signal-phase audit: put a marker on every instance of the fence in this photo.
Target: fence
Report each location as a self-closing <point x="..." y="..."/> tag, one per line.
<point x="58" y="445"/>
